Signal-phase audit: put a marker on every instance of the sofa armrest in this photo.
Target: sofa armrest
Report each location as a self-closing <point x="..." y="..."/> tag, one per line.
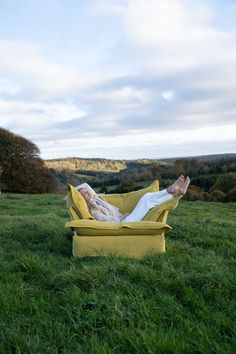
<point x="84" y="223"/>
<point x="159" y="213"/>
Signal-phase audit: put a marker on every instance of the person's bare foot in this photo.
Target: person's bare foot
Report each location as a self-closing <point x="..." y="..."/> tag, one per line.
<point x="173" y="188"/>
<point x="184" y="186"/>
<point x="180" y="188"/>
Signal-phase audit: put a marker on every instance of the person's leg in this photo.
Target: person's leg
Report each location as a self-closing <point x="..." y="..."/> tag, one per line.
<point x="148" y="201"/>
<point x="158" y="194"/>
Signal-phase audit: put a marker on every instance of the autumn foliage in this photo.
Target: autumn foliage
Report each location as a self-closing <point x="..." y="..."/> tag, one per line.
<point x="21" y="168"/>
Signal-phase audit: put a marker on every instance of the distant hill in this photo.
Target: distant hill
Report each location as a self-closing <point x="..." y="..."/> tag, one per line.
<point x="213" y="177"/>
<point x="106" y="165"/>
<point x="202" y="158"/>
<point x="91" y="164"/>
<point x="97" y="164"/>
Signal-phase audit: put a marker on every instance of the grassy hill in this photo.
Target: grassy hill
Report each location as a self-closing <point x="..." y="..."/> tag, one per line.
<point x="108" y="165"/>
<point x="178" y="302"/>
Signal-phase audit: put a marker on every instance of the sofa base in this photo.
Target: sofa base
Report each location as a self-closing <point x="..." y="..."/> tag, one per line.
<point x="130" y="246"/>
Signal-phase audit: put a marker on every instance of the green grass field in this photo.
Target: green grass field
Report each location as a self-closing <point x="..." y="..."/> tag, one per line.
<point x="182" y="301"/>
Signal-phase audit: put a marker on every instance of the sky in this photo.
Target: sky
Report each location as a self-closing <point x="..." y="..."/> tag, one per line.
<point x="119" y="79"/>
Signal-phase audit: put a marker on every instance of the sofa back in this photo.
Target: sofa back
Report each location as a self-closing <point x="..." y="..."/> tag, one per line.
<point x="127" y="201"/>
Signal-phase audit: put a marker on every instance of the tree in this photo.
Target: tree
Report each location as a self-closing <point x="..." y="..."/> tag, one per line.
<point x="22" y="170"/>
<point x="217" y="196"/>
<point x="155" y="170"/>
<point x="187" y="167"/>
<point x="103" y="189"/>
<point x="181" y="167"/>
<point x="225" y="183"/>
<point x="231" y="195"/>
<point x="124" y="187"/>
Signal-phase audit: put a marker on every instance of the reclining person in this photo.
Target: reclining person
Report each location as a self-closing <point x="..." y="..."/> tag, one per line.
<point x="104" y="211"/>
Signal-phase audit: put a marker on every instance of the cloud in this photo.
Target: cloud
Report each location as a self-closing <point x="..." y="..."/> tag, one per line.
<point x="26" y="62"/>
<point x="168" y="95"/>
<point x="143" y="144"/>
<point x="168" y="81"/>
<point x="9" y="86"/>
<point x="32" y="119"/>
<point x="124" y="97"/>
<point x="175" y="35"/>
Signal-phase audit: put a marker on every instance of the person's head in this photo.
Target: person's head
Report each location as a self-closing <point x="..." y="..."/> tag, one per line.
<point x="86" y="194"/>
<point x="86" y="191"/>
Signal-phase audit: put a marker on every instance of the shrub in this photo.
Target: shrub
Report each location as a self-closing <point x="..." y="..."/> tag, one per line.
<point x="124" y="187"/>
<point x="193" y="193"/>
<point x="204" y="182"/>
<point x="224" y="183"/>
<point x="217" y="196"/>
<point x="205" y="196"/>
<point x="231" y="195"/>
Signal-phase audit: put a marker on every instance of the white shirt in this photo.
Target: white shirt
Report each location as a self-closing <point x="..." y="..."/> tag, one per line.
<point x="103" y="211"/>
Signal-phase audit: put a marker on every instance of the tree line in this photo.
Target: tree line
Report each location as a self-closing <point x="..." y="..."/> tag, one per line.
<point x="211" y="180"/>
<point x="23" y="171"/>
<point x="95" y="164"/>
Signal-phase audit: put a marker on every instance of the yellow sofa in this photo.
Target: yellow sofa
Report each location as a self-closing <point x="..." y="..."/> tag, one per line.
<point x="132" y="239"/>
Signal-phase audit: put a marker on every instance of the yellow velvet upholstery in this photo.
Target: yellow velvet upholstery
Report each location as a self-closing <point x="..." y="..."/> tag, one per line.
<point x="130" y="246"/>
<point x="133" y="239"/>
<point x="155" y="214"/>
<point x="100" y="228"/>
<point x="77" y="202"/>
<point x="127" y="201"/>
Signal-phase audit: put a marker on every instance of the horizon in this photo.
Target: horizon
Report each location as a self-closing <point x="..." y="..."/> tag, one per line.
<point x="140" y="158"/>
<point x="120" y="78"/>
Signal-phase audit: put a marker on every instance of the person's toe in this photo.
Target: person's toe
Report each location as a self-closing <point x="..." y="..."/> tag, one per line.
<point x="185" y="185"/>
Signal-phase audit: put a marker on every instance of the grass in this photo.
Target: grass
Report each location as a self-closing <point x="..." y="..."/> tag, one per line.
<point x="182" y="301"/>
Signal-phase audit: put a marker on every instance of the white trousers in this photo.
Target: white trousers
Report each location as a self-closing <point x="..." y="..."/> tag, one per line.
<point x="148" y="201"/>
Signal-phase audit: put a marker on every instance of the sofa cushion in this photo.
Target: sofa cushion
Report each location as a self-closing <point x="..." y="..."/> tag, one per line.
<point x="101" y="228"/>
<point x="78" y="203"/>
